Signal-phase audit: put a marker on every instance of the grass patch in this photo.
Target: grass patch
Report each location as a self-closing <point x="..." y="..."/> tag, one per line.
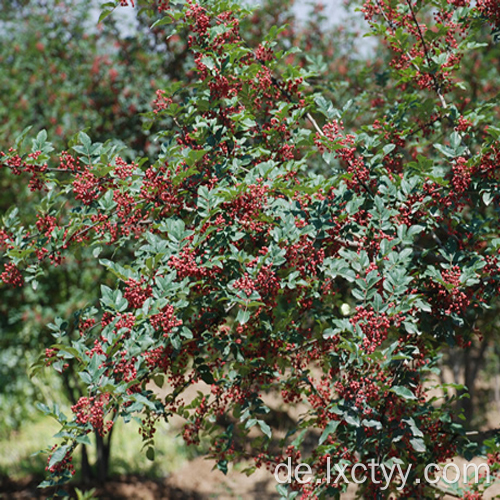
<point x="128" y="457"/>
<point x="17" y="459"/>
<point x="16" y="450"/>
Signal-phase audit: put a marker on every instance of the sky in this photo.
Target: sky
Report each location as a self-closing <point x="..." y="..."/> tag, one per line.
<point x="334" y="11"/>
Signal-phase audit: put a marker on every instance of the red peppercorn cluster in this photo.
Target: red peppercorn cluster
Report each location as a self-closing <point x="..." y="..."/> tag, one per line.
<point x="137" y="292"/>
<point x="91" y="410"/>
<point x="161" y="102"/>
<point x="461" y="177"/>
<point x="12" y="275"/>
<point x="69" y="162"/>
<point x="375" y="326"/>
<point x="64" y="465"/>
<point x="165" y="321"/>
<point x="454" y="300"/>
<point x="489" y="9"/>
<point x="125" y="323"/>
<point x="123" y="170"/>
<point x="50" y="355"/>
<point x="263" y="53"/>
<point x="86" y="324"/>
<point x="17" y="166"/>
<point x="86" y="187"/>
<point x="409" y="58"/>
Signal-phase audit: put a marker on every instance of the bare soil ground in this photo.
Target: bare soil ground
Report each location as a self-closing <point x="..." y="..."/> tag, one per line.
<point x="197" y="480"/>
<point x="194" y="481"/>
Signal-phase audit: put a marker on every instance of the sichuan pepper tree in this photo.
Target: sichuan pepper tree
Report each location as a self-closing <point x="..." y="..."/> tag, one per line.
<point x="104" y="78"/>
<point x="259" y="280"/>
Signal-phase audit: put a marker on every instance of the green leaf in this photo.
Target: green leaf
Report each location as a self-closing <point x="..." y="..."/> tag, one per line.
<point x="487" y="197"/>
<point x="248" y="123"/>
<point x="388" y="148"/>
<point x="403" y="392"/>
<point x="83" y="439"/>
<point x="222" y="466"/>
<point x="208" y="62"/>
<point x="41" y="137"/>
<point x="106" y="10"/>
<point x="352" y="420"/>
<point x="298" y="440"/>
<point x="85" y="140"/>
<point x="446" y="150"/>
<point x="265" y="428"/>
<point x="413" y="427"/>
<point x="372" y="423"/>
<point x="150" y="454"/>
<point x="326" y="107"/>
<point x="418" y="444"/>
<point x="206" y="374"/>
<point x="282" y="490"/>
<point x="18" y="141"/>
<point x="85" y="378"/>
<point x="159" y="380"/>
<point x="330" y="429"/>
<point x="243" y="316"/>
<point x="58" y="455"/>
<point x="455" y="140"/>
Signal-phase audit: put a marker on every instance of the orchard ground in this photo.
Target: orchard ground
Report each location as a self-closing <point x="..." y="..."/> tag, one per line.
<point x="177" y="473"/>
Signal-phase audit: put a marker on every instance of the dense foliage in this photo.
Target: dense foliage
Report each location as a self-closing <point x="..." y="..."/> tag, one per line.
<point x="61" y="72"/>
<point x="282" y="247"/>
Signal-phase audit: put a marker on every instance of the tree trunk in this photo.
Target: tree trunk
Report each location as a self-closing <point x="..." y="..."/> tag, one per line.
<point x="472" y="364"/>
<point x="103" y="449"/>
<point x="86" y="471"/>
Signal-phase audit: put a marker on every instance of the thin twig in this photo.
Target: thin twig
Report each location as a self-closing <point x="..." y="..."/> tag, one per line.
<point x="437" y="86"/>
<point x="314" y="123"/>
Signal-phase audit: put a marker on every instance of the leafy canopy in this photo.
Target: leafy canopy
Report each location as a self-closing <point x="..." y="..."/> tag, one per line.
<point x="281" y="249"/>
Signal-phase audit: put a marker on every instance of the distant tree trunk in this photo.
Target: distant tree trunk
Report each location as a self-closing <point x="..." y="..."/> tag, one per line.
<point x="103" y="449"/>
<point x="86" y="471"/>
<point x="472" y="364"/>
<point x="497" y="377"/>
